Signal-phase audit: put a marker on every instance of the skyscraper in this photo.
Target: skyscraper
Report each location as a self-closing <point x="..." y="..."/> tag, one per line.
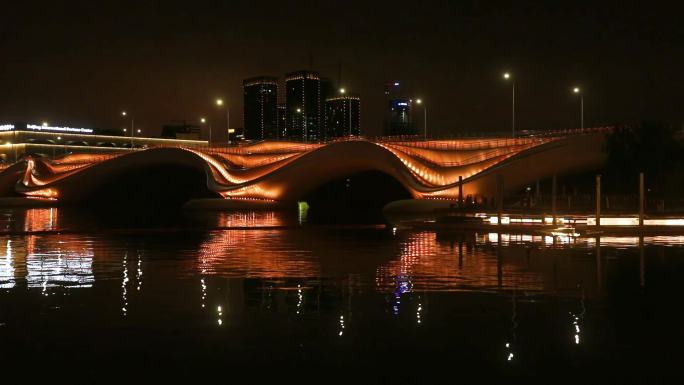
<point x="261" y="104"/>
<point x="303" y="105"/>
<point x="343" y="116"/>
<point x="398" y="112"/>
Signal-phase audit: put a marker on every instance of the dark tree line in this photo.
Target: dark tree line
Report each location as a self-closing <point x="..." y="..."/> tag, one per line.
<point x="655" y="148"/>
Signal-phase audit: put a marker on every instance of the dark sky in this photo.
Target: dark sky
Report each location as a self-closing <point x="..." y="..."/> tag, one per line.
<point x="79" y="63"/>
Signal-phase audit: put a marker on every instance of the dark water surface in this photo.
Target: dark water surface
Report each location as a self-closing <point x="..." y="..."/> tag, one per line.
<point x="264" y="297"/>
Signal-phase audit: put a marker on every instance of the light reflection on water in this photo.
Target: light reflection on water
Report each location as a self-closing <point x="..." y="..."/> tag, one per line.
<point x="414" y="261"/>
<point x="487" y="294"/>
<point x="39" y="262"/>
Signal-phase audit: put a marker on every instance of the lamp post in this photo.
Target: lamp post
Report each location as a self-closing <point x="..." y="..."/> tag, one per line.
<point x="349" y="114"/>
<point x="508" y="76"/>
<point x="420" y="101"/>
<point x="124" y="114"/>
<point x="219" y="103"/>
<point x="53" y="148"/>
<point x="204" y="121"/>
<point x="579" y="92"/>
<point x="299" y="111"/>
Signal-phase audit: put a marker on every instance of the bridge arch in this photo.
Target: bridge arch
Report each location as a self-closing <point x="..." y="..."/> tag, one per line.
<point x="335" y="161"/>
<point x="164" y="176"/>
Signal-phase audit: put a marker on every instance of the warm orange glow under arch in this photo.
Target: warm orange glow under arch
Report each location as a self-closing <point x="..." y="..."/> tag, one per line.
<point x="281" y="172"/>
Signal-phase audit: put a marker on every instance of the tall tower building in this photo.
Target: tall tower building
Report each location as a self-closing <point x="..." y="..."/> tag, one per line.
<point x="303" y="105"/>
<point x="397" y="112"/>
<point x="343" y="116"/>
<point x="261" y="107"/>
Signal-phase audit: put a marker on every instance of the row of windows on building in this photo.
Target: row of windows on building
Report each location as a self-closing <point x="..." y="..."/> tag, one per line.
<point x="312" y="109"/>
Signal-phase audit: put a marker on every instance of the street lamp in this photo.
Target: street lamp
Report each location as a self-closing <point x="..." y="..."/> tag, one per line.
<point x="508" y="76"/>
<point x="579" y="92"/>
<point x="420" y="101"/>
<point x="349" y="111"/>
<point x="303" y="117"/>
<point x="124" y="114"/>
<point x="219" y="103"/>
<point x="59" y="138"/>
<point x="204" y="121"/>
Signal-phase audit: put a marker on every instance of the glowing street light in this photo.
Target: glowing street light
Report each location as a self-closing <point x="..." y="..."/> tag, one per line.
<point x="507" y="76"/>
<point x="219" y="103"/>
<point x="342" y="90"/>
<point x="204" y="121"/>
<point x="420" y="101"/>
<point x="45" y="124"/>
<point x="124" y="114"/>
<point x="578" y="91"/>
<point x="299" y="110"/>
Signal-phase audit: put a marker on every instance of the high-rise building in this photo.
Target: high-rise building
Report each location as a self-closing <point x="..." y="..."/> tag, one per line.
<point x="399" y="117"/>
<point x="343" y="116"/>
<point x="303" y="105"/>
<point x="261" y="107"/>
<point x="397" y="112"/>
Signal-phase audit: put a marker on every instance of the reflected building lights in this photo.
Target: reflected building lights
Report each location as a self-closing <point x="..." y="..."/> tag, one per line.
<point x="424" y="263"/>
<point x="139" y="273"/>
<point x="418" y="313"/>
<point x="219" y="311"/>
<point x="47" y="262"/>
<point x="124" y="283"/>
<point x="60" y="268"/>
<point x="300" y="298"/>
<point x="7" y="280"/>
<point x="203" y="287"/>
<point x="341" y="325"/>
<point x="514" y="326"/>
<point x="577" y="321"/>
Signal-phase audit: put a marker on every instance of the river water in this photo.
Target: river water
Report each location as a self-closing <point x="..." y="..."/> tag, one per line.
<point x="268" y="296"/>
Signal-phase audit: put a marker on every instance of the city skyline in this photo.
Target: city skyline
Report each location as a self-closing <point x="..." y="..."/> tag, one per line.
<point x="452" y="56"/>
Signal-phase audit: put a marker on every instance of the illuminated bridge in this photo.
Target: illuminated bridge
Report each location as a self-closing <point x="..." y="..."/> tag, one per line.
<point x="276" y="173"/>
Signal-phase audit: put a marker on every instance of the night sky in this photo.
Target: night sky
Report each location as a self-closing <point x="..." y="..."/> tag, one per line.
<point x="79" y="63"/>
